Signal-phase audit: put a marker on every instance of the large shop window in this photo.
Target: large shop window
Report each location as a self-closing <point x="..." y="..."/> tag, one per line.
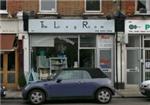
<point x="53" y="48"/>
<point x="93" y="5"/>
<point x="143" y="6"/>
<point x="3" y="7"/>
<point x="48" y="5"/>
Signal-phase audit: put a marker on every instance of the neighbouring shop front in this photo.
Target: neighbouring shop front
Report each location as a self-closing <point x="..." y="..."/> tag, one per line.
<point x="56" y="44"/>
<point x="138" y="50"/>
<point x="9" y="54"/>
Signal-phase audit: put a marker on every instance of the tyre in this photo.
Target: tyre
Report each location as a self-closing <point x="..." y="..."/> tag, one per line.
<point x="36" y="97"/>
<point x="103" y="95"/>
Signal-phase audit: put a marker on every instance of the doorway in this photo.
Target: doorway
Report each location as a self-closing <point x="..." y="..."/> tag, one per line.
<point x="9" y="69"/>
<point x="146" y="55"/>
<point x="87" y="58"/>
<point x="133" y="60"/>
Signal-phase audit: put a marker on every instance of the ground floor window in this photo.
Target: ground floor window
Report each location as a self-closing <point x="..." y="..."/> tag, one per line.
<point x="50" y="53"/>
<point x="138" y="58"/>
<point x="61" y="52"/>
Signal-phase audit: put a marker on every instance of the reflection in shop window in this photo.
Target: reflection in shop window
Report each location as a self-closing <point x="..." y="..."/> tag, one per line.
<point x="134" y="41"/>
<point x="87" y="58"/>
<point x="1" y="60"/>
<point x="133" y="57"/>
<point x="147" y="43"/>
<point x="88" y="41"/>
<point x="147" y="75"/>
<point x="11" y="61"/>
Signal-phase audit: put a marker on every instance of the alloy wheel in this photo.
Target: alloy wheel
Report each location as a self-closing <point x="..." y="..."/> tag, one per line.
<point x="37" y="97"/>
<point x="104" y="96"/>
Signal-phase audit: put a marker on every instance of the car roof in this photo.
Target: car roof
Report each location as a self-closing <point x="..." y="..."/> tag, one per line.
<point x="94" y="72"/>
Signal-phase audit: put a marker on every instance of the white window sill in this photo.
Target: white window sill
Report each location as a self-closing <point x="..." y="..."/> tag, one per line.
<point x="47" y="13"/>
<point x="3" y="12"/>
<point x="93" y="13"/>
<point x="141" y="14"/>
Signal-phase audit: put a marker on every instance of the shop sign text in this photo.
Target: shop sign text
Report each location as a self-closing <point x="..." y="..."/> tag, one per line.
<point x="71" y="26"/>
<point x="137" y="26"/>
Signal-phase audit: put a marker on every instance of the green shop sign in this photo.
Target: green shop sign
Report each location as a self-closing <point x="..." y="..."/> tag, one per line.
<point x="147" y="26"/>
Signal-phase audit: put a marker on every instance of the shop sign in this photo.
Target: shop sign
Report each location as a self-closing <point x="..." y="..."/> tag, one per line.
<point x="8" y="26"/>
<point x="70" y="26"/>
<point x="137" y="26"/>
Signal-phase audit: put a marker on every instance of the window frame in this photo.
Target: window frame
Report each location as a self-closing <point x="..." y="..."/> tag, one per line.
<point x="93" y="11"/>
<point x="47" y="11"/>
<point x="4" y="11"/>
<point x="137" y="12"/>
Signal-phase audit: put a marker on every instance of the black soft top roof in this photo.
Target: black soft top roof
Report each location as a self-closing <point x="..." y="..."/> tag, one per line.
<point x="94" y="72"/>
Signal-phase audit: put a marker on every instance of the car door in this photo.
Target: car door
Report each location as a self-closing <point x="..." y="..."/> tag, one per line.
<point x="87" y="84"/>
<point x="68" y="83"/>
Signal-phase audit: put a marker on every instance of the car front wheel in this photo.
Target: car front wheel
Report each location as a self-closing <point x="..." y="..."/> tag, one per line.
<point x="36" y="97"/>
<point x="103" y="95"/>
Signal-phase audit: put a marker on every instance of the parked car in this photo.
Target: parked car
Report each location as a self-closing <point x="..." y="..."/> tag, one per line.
<point x="145" y="88"/>
<point x="2" y="91"/>
<point x="71" y="83"/>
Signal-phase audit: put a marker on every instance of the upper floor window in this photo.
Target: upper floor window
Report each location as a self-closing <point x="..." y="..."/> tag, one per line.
<point x="3" y="7"/>
<point x="92" y="5"/>
<point x="143" y="6"/>
<point x="48" y="5"/>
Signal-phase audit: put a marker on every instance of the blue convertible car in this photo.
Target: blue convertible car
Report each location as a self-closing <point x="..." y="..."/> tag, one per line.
<point x="71" y="83"/>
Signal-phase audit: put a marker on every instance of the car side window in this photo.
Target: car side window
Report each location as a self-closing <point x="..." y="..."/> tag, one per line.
<point x="74" y="74"/>
<point x="85" y="75"/>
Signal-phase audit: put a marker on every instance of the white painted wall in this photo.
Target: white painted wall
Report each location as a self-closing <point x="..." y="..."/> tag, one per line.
<point x="26" y="54"/>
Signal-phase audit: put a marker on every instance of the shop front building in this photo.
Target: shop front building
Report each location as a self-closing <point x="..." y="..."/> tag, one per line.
<point x="55" y="44"/>
<point x="9" y="52"/>
<point x="137" y="51"/>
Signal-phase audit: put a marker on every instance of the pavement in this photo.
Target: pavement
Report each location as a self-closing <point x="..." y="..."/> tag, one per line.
<point x="128" y="92"/>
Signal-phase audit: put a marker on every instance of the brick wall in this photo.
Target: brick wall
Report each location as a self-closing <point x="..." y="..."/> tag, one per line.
<point x="26" y="5"/>
<point x="70" y="7"/>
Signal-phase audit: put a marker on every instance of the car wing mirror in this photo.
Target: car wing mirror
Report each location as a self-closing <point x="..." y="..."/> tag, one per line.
<point x="58" y="80"/>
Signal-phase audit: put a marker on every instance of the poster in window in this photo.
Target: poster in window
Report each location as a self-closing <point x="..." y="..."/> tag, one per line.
<point x="105" y="59"/>
<point x="147" y="64"/>
<point x="105" y="41"/>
